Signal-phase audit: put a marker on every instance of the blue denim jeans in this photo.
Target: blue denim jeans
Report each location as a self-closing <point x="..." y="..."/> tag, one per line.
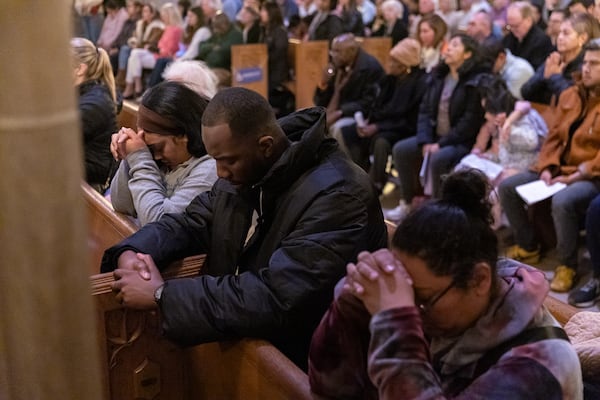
<point x="568" y="210"/>
<point x="92" y="26"/>
<point x="592" y="229"/>
<point x="124" y="53"/>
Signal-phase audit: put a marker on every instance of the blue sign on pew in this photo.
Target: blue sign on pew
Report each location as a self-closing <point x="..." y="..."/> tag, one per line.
<point x="249" y="75"/>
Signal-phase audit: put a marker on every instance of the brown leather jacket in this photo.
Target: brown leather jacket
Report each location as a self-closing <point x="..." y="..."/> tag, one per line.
<point x="562" y="153"/>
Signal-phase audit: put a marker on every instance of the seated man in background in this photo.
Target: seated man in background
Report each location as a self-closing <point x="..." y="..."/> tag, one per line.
<point x="216" y="51"/>
<point x="349" y="83"/>
<point x="513" y="70"/>
<point x="278" y="227"/>
<point x="569" y="156"/>
<point x="525" y="39"/>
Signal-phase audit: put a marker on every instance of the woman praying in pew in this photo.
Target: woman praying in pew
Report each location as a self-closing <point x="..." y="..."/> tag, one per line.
<point x="98" y="106"/>
<point x="439" y="316"/>
<point x="164" y="165"/>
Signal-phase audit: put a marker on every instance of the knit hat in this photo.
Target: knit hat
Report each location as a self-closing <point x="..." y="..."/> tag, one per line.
<point x="407" y="52"/>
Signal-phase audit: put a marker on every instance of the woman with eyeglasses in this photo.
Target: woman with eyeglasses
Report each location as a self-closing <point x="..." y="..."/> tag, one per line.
<point x="440" y="316"/>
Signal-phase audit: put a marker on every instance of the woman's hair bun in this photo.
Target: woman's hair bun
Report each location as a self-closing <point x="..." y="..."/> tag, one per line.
<point x="469" y="190"/>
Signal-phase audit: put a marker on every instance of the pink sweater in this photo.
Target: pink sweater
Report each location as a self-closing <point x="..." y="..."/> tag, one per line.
<point x="169" y="41"/>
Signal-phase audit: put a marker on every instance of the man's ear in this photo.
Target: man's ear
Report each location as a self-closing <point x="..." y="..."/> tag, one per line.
<point x="265" y="144"/>
<point x="481" y="282"/>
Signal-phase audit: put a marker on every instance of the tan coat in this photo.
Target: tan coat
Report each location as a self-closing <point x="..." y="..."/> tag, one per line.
<point x="582" y="153"/>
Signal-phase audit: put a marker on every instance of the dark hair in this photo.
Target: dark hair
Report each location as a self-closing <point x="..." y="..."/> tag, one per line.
<point x="472" y="46"/>
<point x="274" y="13"/>
<point x="585" y="3"/>
<point x="190" y="30"/>
<point x="183" y="106"/>
<point x="452" y="234"/>
<point x="245" y="111"/>
<point x="498" y="98"/>
<point x="491" y="48"/>
<point x="592" y="45"/>
<point x="185" y="6"/>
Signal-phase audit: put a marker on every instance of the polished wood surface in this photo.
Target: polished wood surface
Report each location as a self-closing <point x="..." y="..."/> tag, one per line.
<point x="250" y="62"/>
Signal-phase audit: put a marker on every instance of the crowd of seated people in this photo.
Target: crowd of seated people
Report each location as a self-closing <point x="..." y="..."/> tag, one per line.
<point x="294" y="210"/>
<point x="537" y="51"/>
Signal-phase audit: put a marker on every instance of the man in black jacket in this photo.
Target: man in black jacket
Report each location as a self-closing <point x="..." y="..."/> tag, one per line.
<point x="278" y="227"/>
<point x="526" y="39"/>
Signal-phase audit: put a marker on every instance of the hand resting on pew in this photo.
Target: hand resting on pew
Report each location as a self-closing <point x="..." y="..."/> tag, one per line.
<point x="137" y="281"/>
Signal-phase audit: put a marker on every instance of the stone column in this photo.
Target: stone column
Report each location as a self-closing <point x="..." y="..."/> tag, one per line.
<point x="48" y="345"/>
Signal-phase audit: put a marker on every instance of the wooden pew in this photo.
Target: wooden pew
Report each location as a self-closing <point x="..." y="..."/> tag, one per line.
<point x="250" y="67"/>
<point x="106" y="227"/>
<point x="138" y="363"/>
<point x="378" y="47"/>
<point x="128" y="115"/>
<point x="308" y="59"/>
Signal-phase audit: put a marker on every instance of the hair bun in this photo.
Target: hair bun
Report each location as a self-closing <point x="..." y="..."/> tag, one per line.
<point x="469" y="190"/>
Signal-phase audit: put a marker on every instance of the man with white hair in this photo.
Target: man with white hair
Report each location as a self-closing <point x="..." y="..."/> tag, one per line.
<point x="526" y="39"/>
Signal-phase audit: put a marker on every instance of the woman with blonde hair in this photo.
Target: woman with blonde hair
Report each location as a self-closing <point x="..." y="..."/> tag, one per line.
<point x="146" y="57"/>
<point x="93" y="77"/>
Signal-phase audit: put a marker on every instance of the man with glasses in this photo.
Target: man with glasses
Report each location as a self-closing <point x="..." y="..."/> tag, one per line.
<point x="525" y="39"/>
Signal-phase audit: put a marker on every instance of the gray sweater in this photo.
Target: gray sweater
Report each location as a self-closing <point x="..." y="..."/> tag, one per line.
<point x="141" y="189"/>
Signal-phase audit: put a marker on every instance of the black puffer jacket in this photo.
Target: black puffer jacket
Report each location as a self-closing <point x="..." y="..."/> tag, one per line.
<point x="318" y="211"/>
<point x="466" y="113"/>
<point x="98" y="121"/>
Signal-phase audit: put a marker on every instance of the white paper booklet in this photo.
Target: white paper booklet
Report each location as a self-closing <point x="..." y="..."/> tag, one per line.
<point x="536" y="191"/>
<point x="489" y="168"/>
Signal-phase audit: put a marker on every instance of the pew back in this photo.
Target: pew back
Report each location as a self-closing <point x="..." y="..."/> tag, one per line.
<point x="378" y="47"/>
<point x="308" y="59"/>
<point x="128" y="116"/>
<point x="106" y="227"/>
<point x="250" y="67"/>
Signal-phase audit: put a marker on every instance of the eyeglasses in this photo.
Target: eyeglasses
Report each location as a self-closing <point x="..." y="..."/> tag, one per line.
<point x="428" y="305"/>
<point x="512" y="27"/>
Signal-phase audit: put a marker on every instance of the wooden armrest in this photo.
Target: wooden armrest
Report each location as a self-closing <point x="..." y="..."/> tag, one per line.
<point x="561" y="311"/>
<point x="185" y="268"/>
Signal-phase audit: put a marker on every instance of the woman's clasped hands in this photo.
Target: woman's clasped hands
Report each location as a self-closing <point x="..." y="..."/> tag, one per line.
<point x="380" y="280"/>
<point x="126" y="141"/>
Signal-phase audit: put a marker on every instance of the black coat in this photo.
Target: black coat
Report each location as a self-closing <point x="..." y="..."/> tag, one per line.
<point x="535" y="47"/>
<point x="277" y="47"/>
<point x="466" y="113"/>
<point x="399" y="31"/>
<point x="396" y="108"/>
<point x="361" y="89"/>
<point x="540" y="90"/>
<point x="319" y="211"/>
<point x="331" y="27"/>
<point x="98" y="121"/>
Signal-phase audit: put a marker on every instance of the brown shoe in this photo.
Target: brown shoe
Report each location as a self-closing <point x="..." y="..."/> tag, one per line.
<point x="564" y="278"/>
